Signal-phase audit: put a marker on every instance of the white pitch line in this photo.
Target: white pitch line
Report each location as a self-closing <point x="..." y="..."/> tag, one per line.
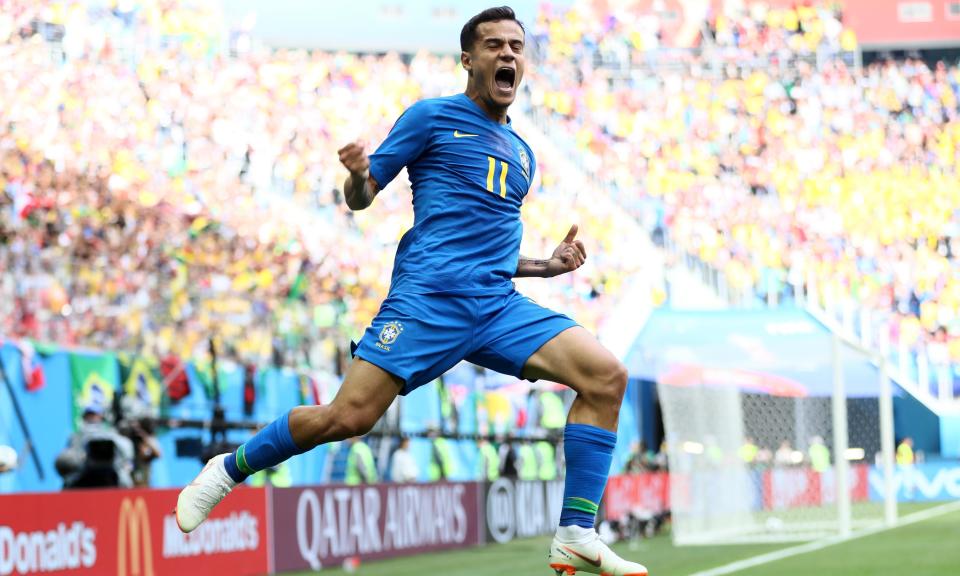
<point x="827" y="542"/>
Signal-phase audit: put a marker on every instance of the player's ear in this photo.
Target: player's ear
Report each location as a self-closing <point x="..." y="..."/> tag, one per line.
<point x="466" y="62"/>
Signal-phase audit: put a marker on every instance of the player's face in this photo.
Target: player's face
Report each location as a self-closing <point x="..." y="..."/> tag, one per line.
<point x="496" y="61"/>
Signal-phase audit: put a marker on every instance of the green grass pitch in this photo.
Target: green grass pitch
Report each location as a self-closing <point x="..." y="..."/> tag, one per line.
<point x="927" y="548"/>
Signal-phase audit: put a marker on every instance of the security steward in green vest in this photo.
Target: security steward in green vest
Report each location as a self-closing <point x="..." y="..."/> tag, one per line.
<point x="529" y="469"/>
<point x="546" y="460"/>
<point x="819" y="455"/>
<point x="361" y="468"/>
<point x="748" y="451"/>
<point x="489" y="462"/>
<point x="443" y="463"/>
<point x="553" y="415"/>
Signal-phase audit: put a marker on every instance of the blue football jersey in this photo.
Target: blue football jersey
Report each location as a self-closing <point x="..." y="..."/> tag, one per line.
<point x="469" y="176"/>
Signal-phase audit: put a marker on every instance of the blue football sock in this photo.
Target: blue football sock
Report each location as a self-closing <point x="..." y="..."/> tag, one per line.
<point x="589" y="452"/>
<point x="266" y="449"/>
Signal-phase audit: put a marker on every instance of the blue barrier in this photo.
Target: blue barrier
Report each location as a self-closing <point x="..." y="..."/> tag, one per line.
<point x="231" y="391"/>
<point x="422" y="451"/>
<point x="277" y="391"/>
<point x="920" y="482"/>
<point x="468" y="456"/>
<point x="420" y="410"/>
<point x="196" y="404"/>
<point x="49" y="412"/>
<point x="49" y="416"/>
<point x="950" y="436"/>
<point x="171" y="470"/>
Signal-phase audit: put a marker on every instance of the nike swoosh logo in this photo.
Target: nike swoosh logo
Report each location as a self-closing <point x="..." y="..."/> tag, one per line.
<point x="594" y="563"/>
<point x="459" y="134"/>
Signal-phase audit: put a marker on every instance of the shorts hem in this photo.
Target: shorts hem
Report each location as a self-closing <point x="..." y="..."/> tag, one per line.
<point x="388" y="369"/>
<point x="549" y="335"/>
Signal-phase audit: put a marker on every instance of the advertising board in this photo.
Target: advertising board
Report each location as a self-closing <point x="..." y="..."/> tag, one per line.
<point x="129" y="533"/>
<point x="321" y="526"/>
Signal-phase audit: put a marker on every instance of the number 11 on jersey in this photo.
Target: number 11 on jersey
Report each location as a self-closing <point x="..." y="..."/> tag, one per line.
<point x="491" y="173"/>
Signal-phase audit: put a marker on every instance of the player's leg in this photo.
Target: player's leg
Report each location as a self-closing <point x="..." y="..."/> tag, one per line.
<point x="575" y="358"/>
<point x="413" y="339"/>
<point x="532" y="342"/>
<point x="366" y="393"/>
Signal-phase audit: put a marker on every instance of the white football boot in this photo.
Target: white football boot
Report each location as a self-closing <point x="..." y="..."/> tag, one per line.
<point x="198" y="498"/>
<point x="590" y="556"/>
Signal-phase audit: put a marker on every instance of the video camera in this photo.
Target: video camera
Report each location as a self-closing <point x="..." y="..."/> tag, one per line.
<point x="97" y="456"/>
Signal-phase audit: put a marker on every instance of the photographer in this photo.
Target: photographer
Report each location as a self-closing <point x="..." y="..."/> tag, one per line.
<point x="96" y="455"/>
<point x="135" y="421"/>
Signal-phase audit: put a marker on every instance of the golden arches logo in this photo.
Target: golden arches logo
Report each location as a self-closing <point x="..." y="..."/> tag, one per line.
<point x="133" y="528"/>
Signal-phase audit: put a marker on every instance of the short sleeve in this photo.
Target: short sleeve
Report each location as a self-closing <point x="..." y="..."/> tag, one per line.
<point x="533" y="170"/>
<point x="404" y="144"/>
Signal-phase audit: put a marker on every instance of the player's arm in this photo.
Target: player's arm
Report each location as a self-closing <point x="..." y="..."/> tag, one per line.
<point x="368" y="174"/>
<point x="360" y="188"/>
<point x="568" y="256"/>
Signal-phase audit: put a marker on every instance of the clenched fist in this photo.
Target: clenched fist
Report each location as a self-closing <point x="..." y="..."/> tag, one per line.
<point x="354" y="159"/>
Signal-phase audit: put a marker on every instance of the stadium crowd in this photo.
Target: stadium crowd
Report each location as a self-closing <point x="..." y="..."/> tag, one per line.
<point x="158" y="191"/>
<point x="770" y="159"/>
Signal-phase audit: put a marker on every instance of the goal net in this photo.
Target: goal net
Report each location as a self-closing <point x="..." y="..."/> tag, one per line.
<point x="754" y="459"/>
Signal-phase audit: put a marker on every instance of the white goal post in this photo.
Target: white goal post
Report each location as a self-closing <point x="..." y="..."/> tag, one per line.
<point x="752" y="462"/>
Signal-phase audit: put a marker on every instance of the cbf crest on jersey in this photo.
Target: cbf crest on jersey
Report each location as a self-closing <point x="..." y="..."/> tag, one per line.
<point x="524" y="162"/>
<point x="389" y="334"/>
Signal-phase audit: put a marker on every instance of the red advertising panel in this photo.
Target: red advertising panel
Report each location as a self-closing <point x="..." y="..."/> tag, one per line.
<point x="785" y="488"/>
<point x="129" y="532"/>
<point x="647" y="493"/>
<point x="907" y="23"/>
<point x="321" y="526"/>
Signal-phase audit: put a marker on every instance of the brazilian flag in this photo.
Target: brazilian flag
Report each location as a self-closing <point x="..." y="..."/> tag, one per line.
<point x="203" y="374"/>
<point x="309" y="390"/>
<point x="95" y="381"/>
<point x="141" y="378"/>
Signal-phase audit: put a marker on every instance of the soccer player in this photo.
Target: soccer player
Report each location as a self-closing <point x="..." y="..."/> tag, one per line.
<point x="452" y="297"/>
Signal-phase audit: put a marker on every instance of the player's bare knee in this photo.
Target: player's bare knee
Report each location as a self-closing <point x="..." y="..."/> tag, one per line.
<point x="609" y="386"/>
<point x="619" y="380"/>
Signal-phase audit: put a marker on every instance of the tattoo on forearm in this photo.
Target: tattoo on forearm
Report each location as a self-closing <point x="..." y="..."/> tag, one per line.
<point x="532" y="267"/>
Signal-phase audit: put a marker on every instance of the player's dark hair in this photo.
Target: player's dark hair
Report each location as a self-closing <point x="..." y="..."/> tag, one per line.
<point x="469" y="33"/>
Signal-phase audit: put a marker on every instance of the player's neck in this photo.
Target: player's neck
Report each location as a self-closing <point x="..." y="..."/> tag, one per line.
<point x="496" y="113"/>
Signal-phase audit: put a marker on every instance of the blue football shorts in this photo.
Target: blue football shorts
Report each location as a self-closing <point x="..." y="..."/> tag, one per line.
<point x="418" y="337"/>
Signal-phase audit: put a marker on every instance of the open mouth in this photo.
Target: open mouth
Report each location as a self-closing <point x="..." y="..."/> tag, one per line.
<point x="504" y="78"/>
